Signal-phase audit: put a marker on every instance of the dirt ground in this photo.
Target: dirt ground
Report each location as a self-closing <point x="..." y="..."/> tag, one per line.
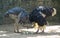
<point x="6" y="31"/>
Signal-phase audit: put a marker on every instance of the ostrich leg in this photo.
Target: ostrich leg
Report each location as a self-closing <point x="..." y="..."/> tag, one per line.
<point x="37" y="30"/>
<point x="16" y="26"/>
<point x="36" y="27"/>
<point x="42" y="28"/>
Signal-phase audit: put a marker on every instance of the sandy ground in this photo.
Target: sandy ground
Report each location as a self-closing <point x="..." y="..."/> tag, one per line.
<point x="6" y="31"/>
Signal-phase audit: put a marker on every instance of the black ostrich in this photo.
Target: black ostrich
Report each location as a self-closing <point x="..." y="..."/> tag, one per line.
<point x="39" y="15"/>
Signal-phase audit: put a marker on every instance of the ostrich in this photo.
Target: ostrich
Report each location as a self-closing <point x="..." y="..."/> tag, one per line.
<point x="19" y="15"/>
<point x="39" y="15"/>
